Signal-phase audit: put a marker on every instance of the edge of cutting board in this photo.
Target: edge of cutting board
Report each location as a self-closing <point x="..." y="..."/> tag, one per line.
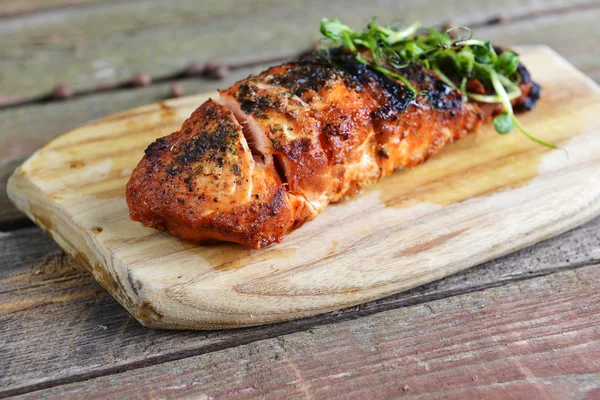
<point x="395" y="236"/>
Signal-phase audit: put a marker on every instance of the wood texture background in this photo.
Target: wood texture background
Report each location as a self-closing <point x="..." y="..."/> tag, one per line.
<point x="81" y="332"/>
<point x="475" y="346"/>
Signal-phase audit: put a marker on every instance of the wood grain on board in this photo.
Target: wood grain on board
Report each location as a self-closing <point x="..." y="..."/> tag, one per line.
<point x="481" y="198"/>
<point x="537" y="339"/>
<point x="49" y="299"/>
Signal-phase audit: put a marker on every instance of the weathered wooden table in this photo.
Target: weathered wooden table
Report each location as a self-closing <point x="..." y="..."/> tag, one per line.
<point x="524" y="326"/>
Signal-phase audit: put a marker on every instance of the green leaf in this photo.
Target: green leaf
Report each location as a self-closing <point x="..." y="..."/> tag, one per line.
<point x="488" y="46"/>
<point x="437" y="38"/>
<point x="464" y="59"/>
<point x="333" y="28"/>
<point x="503" y="123"/>
<point x="393" y="37"/>
<point x="463" y="85"/>
<point x="482" y="56"/>
<point x="508" y="62"/>
<point x="361" y="59"/>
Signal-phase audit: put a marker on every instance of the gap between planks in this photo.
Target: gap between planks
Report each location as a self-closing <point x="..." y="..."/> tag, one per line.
<point x="482" y="337"/>
<point x="341" y="316"/>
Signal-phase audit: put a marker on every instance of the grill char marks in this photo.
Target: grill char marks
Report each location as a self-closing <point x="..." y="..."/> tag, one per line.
<point x="253" y="103"/>
<point x="531" y="91"/>
<point x="317" y="71"/>
<point x="210" y="147"/>
<point x="393" y="96"/>
<point x="307" y="75"/>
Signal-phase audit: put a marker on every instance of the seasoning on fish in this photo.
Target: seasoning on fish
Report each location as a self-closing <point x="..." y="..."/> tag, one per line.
<point x="277" y="148"/>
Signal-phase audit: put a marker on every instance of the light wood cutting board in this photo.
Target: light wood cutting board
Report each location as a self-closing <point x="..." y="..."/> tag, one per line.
<point x="480" y="198"/>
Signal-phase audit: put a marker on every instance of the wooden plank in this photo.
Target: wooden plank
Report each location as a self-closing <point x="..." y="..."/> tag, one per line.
<point x="12" y="8"/>
<point x="9" y="214"/>
<point x="161" y="38"/>
<point x="80" y="331"/>
<point x="99" y="55"/>
<point x="413" y="227"/>
<point x="538" y="339"/>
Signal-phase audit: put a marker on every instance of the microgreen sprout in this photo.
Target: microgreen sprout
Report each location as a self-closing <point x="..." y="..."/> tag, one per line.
<point x="388" y="49"/>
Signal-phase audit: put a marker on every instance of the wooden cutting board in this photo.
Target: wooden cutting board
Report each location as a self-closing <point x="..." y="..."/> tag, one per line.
<point x="482" y="197"/>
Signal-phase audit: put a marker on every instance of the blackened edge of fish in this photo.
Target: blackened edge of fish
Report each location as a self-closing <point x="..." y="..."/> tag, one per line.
<point x="307" y="74"/>
<point x="532" y="97"/>
<point x="314" y="71"/>
<point x="534" y="94"/>
<point x="439" y="94"/>
<point x="399" y="96"/>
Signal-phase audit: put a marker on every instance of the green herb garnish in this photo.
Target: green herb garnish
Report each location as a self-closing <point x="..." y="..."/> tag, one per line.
<point x="391" y="49"/>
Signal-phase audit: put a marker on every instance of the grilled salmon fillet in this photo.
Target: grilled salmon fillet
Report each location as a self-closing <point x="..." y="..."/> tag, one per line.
<point x="277" y="148"/>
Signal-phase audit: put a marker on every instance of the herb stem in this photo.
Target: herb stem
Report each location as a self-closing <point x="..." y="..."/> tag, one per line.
<point x="530" y="136"/>
<point x="393" y="37"/>
<point x="397" y="76"/>
<point x="500" y="91"/>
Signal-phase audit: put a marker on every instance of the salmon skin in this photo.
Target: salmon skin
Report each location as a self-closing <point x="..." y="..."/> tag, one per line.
<point x="278" y="147"/>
